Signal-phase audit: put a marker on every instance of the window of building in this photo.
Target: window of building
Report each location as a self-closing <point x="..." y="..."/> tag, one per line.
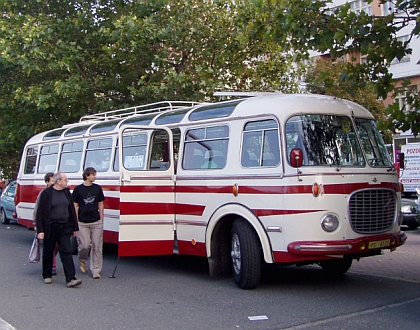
<point x="404" y="94"/>
<point x="359" y="6"/>
<point x="388" y="8"/>
<point x="406" y="58"/>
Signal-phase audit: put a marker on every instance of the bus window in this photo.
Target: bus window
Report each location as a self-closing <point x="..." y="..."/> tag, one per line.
<point x="159" y="159"/>
<point x="206" y="148"/>
<point x="98" y="154"/>
<point x="260" y="144"/>
<point x="30" y="162"/>
<point x="116" y="165"/>
<point x="134" y="151"/>
<point x="71" y="157"/>
<point x="325" y="140"/>
<point x="48" y="158"/>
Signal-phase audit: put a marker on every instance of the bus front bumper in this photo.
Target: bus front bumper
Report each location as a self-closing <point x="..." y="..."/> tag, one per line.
<point x="358" y="247"/>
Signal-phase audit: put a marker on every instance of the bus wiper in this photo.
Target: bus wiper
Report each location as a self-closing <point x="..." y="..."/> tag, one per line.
<point x="391" y="168"/>
<point x="338" y="168"/>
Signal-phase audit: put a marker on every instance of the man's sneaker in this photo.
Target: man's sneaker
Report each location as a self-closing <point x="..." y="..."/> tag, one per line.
<point x="47" y="280"/>
<point x="96" y="276"/>
<point x="82" y="266"/>
<point x="74" y="283"/>
<point x="54" y="272"/>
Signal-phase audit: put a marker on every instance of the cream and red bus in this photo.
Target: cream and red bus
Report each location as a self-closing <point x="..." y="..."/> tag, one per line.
<point x="287" y="179"/>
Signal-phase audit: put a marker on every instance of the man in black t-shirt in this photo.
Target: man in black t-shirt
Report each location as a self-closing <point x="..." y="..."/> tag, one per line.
<point x="88" y="200"/>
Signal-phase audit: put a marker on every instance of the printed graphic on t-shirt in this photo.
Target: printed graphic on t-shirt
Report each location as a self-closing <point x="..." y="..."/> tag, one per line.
<point x="89" y="199"/>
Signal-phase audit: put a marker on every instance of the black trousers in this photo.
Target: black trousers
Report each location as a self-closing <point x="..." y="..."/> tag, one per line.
<point x="59" y="234"/>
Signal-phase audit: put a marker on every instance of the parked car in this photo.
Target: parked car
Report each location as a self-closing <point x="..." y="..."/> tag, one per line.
<point x="7" y="203"/>
<point x="410" y="212"/>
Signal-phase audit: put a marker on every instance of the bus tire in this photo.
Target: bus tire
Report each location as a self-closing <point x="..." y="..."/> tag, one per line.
<point x="3" y="218"/>
<point x="245" y="255"/>
<point x="336" y="267"/>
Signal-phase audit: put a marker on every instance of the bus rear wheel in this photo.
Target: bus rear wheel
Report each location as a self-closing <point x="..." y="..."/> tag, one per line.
<point x="336" y="267"/>
<point x="245" y="255"/>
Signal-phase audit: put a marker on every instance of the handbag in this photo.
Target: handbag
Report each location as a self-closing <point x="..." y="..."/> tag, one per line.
<point x="35" y="252"/>
<point x="73" y="246"/>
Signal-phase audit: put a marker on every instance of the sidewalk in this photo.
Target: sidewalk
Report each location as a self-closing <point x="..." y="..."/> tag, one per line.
<point x="403" y="263"/>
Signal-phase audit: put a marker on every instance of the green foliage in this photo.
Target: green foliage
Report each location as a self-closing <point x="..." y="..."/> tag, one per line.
<point x="60" y="60"/>
<point x="325" y="77"/>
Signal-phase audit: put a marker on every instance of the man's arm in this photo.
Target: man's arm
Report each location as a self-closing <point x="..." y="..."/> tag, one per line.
<point x="101" y="210"/>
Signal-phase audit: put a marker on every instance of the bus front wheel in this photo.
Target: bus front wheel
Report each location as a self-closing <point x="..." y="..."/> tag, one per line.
<point x="245" y="255"/>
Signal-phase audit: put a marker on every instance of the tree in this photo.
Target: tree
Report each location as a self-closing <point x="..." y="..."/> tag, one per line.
<point x="312" y="25"/>
<point x="61" y="59"/>
<point x="325" y="77"/>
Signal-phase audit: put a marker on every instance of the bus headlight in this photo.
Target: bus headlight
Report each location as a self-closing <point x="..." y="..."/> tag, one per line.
<point x="329" y="222"/>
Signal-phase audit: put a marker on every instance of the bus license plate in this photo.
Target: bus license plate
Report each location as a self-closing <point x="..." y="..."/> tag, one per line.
<point x="379" y="244"/>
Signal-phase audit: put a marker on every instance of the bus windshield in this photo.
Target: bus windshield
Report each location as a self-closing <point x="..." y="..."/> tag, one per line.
<point x="333" y="141"/>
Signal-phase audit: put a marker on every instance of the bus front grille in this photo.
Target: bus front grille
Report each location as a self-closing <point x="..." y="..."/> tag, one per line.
<point x="372" y="210"/>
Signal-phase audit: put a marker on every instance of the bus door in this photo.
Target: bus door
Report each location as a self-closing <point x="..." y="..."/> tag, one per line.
<point x="147" y="192"/>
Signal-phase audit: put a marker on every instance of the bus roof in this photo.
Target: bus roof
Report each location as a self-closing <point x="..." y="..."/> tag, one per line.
<point x="179" y="112"/>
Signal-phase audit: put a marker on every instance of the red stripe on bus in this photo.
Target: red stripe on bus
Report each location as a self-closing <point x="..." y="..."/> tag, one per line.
<point x="138" y="208"/>
<point x="131" y="208"/>
<point x="145" y="248"/>
<point x="147" y="189"/>
<point x="188" y="248"/>
<point x="112" y="203"/>
<point x="341" y="188"/>
<point x="110" y="236"/>
<point x="265" y="212"/>
<point x="189" y="209"/>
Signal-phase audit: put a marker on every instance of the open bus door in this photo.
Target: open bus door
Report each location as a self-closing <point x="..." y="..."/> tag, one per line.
<point x="147" y="192"/>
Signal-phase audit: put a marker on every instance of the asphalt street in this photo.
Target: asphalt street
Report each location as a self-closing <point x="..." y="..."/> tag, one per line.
<point x="176" y="292"/>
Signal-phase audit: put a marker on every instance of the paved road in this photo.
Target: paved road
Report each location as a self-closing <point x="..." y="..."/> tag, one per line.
<point x="401" y="264"/>
<point x="176" y="292"/>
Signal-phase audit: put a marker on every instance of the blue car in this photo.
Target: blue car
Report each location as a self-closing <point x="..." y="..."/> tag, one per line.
<point x="7" y="204"/>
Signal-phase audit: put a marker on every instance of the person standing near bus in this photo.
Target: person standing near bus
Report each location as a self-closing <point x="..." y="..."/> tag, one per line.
<point x="88" y="200"/>
<point x="48" y="178"/>
<point x="2" y="185"/>
<point x="55" y="222"/>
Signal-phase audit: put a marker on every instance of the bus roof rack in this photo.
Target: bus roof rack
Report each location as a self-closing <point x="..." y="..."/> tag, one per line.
<point x="141" y="109"/>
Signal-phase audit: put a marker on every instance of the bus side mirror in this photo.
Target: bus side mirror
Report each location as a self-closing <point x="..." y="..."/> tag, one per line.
<point x="400" y="160"/>
<point x="296" y="157"/>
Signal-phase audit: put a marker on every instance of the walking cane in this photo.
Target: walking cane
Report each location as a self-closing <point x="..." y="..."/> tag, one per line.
<point x="115" y="269"/>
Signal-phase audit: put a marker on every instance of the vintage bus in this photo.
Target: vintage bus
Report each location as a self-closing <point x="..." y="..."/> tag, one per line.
<point x="287" y="179"/>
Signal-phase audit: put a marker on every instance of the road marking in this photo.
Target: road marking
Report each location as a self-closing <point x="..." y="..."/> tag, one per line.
<point x="258" y="318"/>
<point x="357" y="272"/>
<point x="5" y="326"/>
<point x="348" y="316"/>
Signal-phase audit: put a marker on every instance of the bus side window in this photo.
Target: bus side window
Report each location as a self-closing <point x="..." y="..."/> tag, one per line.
<point x="260" y="144"/>
<point x="71" y="157"/>
<point x="206" y="148"/>
<point x="98" y="154"/>
<point x="48" y="158"/>
<point x="30" y="162"/>
<point x="159" y="159"/>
